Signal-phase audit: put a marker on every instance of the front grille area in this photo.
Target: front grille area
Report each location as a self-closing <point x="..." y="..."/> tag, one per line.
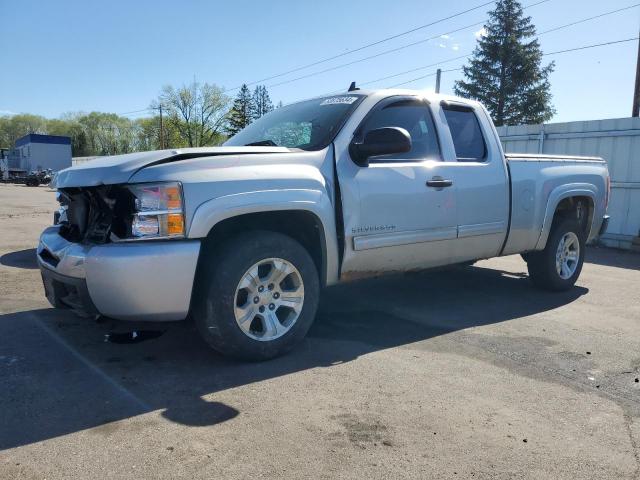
<point x="94" y="214"/>
<point x="47" y="257"/>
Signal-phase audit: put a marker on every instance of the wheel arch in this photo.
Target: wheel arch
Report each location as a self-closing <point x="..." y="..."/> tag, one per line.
<point x="305" y="215"/>
<point x="566" y="200"/>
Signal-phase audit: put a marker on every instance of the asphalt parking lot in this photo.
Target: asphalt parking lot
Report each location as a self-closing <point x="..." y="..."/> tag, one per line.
<point x="459" y="373"/>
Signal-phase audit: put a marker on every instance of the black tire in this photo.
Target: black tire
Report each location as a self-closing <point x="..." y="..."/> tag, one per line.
<point x="542" y="264"/>
<point x="218" y="279"/>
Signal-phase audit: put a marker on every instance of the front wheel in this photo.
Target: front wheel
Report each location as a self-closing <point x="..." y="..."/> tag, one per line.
<point x="258" y="296"/>
<point x="558" y="266"/>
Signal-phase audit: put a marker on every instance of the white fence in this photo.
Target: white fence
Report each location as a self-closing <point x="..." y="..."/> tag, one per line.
<point x="616" y="140"/>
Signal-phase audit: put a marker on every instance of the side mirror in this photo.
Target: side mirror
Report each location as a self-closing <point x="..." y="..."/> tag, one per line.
<point x="381" y="141"/>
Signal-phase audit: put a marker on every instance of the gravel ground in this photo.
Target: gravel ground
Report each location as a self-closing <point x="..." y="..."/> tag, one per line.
<point x="460" y="373"/>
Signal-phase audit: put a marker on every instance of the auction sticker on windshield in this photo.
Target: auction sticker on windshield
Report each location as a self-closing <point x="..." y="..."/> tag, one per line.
<point x="337" y="100"/>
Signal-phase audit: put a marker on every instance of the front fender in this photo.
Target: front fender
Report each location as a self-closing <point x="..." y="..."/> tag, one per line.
<point x="560" y="193"/>
<point x="211" y="212"/>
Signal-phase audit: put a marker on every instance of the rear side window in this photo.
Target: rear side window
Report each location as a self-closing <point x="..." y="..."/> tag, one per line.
<point x="414" y="116"/>
<point x="466" y="135"/>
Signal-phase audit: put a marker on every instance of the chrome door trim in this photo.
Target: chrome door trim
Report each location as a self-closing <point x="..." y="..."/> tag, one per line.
<point x="393" y="239"/>
<point x="465" y="231"/>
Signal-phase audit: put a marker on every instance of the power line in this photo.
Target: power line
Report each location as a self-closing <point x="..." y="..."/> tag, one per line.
<point x="439" y="36"/>
<point x="560" y="27"/>
<point x="425" y="76"/>
<point x="368" y="82"/>
<point x="587" y="19"/>
<point x="386" y="52"/>
<point x="400" y="48"/>
<point x="133" y="111"/>
<point x="614" y="42"/>
<point x="363" y="47"/>
<point x="591" y="46"/>
<point x="415" y="70"/>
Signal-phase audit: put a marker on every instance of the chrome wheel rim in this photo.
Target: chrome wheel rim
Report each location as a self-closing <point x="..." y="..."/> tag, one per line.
<point x="269" y="299"/>
<point x="567" y="255"/>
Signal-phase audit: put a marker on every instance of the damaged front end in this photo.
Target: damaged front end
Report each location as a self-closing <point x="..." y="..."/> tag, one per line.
<point x="116" y="213"/>
<point x="94" y="215"/>
<point x="94" y="262"/>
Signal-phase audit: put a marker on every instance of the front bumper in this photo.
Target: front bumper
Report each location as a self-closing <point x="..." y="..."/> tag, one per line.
<point x="150" y="280"/>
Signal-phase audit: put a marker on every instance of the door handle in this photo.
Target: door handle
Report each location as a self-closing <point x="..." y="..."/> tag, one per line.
<point x="439" y="182"/>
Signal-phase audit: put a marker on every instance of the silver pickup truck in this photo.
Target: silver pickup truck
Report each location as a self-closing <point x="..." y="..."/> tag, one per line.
<point x="241" y="238"/>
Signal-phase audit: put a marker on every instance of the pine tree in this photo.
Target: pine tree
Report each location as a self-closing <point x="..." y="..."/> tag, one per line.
<point x="261" y="101"/>
<point x="242" y="112"/>
<point x="505" y="72"/>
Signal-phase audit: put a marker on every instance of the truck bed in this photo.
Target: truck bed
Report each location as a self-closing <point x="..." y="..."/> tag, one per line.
<point x="537" y="181"/>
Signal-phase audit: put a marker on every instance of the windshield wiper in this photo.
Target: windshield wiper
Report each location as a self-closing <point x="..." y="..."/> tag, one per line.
<point x="262" y="143"/>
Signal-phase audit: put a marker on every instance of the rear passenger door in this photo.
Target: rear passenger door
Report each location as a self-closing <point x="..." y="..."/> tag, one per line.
<point x="481" y="180"/>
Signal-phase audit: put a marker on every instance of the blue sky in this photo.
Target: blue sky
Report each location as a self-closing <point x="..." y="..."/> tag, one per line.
<point x="72" y="55"/>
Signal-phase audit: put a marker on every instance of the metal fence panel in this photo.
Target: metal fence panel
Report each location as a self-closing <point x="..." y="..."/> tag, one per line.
<point x="616" y="140"/>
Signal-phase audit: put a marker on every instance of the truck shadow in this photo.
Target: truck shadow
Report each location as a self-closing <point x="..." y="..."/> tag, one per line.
<point x="20" y="259"/>
<point x="610" y="257"/>
<point x="58" y="375"/>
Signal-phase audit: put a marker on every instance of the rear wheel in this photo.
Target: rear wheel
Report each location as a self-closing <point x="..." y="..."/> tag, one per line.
<point x="558" y="266"/>
<point x="258" y="296"/>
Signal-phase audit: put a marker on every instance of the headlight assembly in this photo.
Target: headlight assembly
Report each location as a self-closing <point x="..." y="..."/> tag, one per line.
<point x="158" y="211"/>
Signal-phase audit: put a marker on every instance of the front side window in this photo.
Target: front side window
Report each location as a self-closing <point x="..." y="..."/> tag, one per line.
<point x="308" y="125"/>
<point x="414" y="116"/>
<point x="466" y="135"/>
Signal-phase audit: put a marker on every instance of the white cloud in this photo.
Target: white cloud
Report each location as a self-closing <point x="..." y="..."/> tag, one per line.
<point x="446" y="37"/>
<point x="7" y="112"/>
<point x="455" y="47"/>
<point x="442" y="45"/>
<point x="481" y="33"/>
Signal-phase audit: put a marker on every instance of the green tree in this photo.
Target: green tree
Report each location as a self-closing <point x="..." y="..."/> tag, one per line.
<point x="242" y="112"/>
<point x="68" y="126"/>
<point x="94" y="133"/>
<point x="106" y="133"/>
<point x="15" y="126"/>
<point x="261" y="102"/>
<point x="197" y="112"/>
<point x="147" y="133"/>
<point x="506" y="72"/>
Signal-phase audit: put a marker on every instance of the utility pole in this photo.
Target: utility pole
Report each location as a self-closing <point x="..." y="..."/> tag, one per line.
<point x="635" y="112"/>
<point x="438" y="75"/>
<point x="161" y="130"/>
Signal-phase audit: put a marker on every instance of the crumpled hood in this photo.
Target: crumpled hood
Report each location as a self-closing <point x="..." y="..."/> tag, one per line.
<point x="120" y="168"/>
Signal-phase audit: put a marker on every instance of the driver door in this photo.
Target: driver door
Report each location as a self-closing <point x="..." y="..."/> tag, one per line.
<point x="400" y="210"/>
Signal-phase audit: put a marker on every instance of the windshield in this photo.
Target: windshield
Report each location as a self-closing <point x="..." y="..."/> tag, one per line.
<point x="309" y="125"/>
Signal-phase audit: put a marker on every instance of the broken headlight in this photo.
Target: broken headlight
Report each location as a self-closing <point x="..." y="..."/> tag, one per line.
<point x="60" y="215"/>
<point x="158" y="211"/>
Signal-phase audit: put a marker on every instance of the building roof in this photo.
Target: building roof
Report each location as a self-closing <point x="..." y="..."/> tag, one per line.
<point x="37" y="138"/>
